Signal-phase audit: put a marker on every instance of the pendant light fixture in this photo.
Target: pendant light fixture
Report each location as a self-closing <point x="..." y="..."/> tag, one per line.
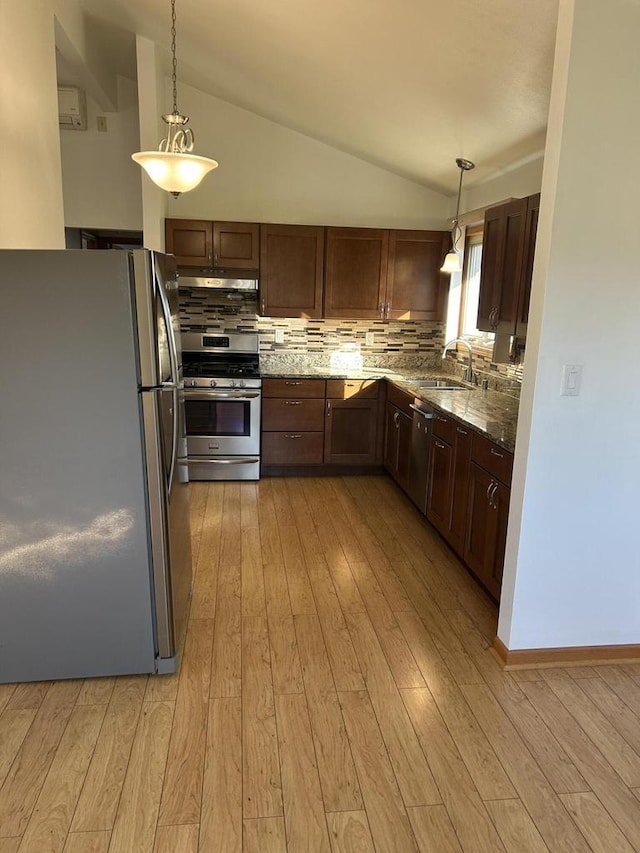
<point x="173" y="167"/>
<point x="452" y="260"/>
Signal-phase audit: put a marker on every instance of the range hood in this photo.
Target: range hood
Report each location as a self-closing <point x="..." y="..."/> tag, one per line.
<point x="218" y="279"/>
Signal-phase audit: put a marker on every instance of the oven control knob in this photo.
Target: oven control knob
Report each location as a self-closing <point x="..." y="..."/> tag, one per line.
<point x="242" y="384"/>
<point x="194" y="383"/>
<point x="213" y="383"/>
<point x="234" y="384"/>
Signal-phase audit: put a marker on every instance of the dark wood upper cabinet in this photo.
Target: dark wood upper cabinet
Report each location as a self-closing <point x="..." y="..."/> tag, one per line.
<point x="201" y="243"/>
<point x="508" y="248"/>
<point x="356" y="273"/>
<point x="191" y="241"/>
<point x="236" y="245"/>
<point x="416" y="289"/>
<point x="530" y="234"/>
<point x="291" y="269"/>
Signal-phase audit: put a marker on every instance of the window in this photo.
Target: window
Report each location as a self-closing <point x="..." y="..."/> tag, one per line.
<point x="470" y="293"/>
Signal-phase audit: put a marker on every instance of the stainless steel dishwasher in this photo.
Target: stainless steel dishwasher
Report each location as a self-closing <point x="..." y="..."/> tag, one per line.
<point x="420" y="454"/>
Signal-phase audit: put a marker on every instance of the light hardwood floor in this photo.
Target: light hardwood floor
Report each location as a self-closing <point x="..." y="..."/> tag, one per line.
<point x="337" y="694"/>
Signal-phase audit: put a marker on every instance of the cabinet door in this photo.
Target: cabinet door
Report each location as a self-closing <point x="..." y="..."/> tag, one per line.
<point x="514" y="223"/>
<point x="416" y="289"/>
<point x="390" y="454"/>
<point x="459" y="489"/>
<point x="439" y="498"/>
<point x="236" y="245"/>
<point x="481" y="528"/>
<point x="491" y="266"/>
<point x="404" y="427"/>
<point x="190" y="240"/>
<point x="528" y="253"/>
<point x="495" y="564"/>
<point x="356" y="273"/>
<point x="350" y="431"/>
<point x="291" y="270"/>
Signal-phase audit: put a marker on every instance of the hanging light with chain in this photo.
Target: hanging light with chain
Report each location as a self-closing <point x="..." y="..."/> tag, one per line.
<point x="452" y="260"/>
<point x="173" y="167"/>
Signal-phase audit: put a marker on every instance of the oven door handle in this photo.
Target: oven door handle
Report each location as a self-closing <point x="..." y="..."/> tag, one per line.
<point x="236" y="460"/>
<point x="220" y="395"/>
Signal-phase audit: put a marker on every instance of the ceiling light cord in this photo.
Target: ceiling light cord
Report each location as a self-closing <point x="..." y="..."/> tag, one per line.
<point x="174" y="70"/>
<point x="452" y="261"/>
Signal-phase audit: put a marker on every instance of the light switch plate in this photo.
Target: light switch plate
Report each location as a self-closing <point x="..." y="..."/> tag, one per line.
<point x="571" y="379"/>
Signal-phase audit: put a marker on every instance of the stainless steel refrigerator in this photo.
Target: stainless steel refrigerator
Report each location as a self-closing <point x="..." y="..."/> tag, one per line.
<point x="95" y="553"/>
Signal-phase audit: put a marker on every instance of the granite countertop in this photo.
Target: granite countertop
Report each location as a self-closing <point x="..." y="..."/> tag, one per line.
<point x="491" y="413"/>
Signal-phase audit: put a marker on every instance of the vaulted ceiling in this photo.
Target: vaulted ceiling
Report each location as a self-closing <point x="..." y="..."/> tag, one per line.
<point x="408" y="85"/>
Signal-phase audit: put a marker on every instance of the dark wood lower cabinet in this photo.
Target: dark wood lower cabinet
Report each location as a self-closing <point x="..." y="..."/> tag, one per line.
<point x="397" y="450"/>
<point x="457" y="529"/>
<point x="439" y="497"/>
<point x="487" y="527"/>
<point x="350" y="431"/>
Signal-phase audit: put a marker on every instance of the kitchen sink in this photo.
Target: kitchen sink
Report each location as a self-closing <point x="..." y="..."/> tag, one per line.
<point x="441" y="385"/>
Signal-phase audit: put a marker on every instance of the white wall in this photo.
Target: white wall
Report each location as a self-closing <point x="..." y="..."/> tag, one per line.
<point x="100" y="180"/>
<point x="572" y="573"/>
<point x="31" y="214"/>
<point x="518" y="182"/>
<point x="268" y="173"/>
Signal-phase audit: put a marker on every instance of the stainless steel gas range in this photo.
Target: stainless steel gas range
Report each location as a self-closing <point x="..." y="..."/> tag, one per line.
<point x="222" y="389"/>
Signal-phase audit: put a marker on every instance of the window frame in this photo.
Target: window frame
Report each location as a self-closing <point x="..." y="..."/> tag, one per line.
<point x="473" y="237"/>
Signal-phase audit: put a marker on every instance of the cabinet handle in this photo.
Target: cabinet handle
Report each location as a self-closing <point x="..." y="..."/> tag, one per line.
<point x="462" y="431"/>
<point x="288" y="382"/>
<point x="388" y="309"/>
<point x="382" y="311"/>
<point x="293" y="402"/>
<point x="262" y="307"/>
<point x="439" y="444"/>
<point x="296" y="435"/>
<point x="494" y="505"/>
<point x="215" y="258"/>
<point x="396" y="418"/>
<point x="440" y="418"/>
<point x="495" y="453"/>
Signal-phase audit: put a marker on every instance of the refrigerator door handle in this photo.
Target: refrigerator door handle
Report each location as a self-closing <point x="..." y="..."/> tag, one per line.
<point x="173" y="359"/>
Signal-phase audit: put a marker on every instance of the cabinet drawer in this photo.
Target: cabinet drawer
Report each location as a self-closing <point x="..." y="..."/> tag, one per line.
<point x="293" y="414"/>
<point x="293" y="388"/>
<point x="400" y="398"/>
<point x="444" y="426"/>
<point x="344" y="389"/>
<point x="292" y="448"/>
<point x="493" y="458"/>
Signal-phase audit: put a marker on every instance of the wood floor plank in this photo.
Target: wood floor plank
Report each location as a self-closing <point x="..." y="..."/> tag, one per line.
<point x="302" y="601"/>
<point x="622" y="685"/>
<point x="203" y="601"/>
<point x="416" y="782"/>
<point x="304" y="817"/>
<point x="130" y="689"/>
<point x="248" y="495"/>
<point x="264" y="835"/>
<point x="349" y="832"/>
<point x="137" y="814"/>
<point x="617" y="751"/>
<point x="280" y="498"/>
<point x="262" y="785"/>
<point x="87" y="842"/>
<point x="542" y="743"/>
<point x="96" y="691"/>
<point x="551" y="818"/>
<point x="338" y="777"/>
<point x="466" y="810"/>
<point x="28" y="695"/>
<point x="182" y="790"/>
<point x="615" y="796"/>
<point x="403" y="666"/>
<point x="22" y="785"/>
<point x="595" y="823"/>
<point x="198" y="493"/>
<point x="433" y="830"/>
<point x="6" y="692"/>
<point x="14" y="726"/>
<point x="226" y="664"/>
<point x="482" y="763"/>
<point x="221" y="820"/>
<point x="616" y="711"/>
<point x="50" y="820"/>
<point x="388" y="820"/>
<point x="10" y="845"/>
<point x="98" y="802"/>
<point x="285" y="660"/>
<point x="177" y="839"/>
<point x="515" y="827"/>
<point x="342" y="656"/>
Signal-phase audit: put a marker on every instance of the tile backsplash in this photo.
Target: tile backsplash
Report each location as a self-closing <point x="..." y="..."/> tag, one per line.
<point x="233" y="311"/>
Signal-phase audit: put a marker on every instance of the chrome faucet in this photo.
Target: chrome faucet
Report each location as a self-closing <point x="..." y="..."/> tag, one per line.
<point x="468" y="374"/>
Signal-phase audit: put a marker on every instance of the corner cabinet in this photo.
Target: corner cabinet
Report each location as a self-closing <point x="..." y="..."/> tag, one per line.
<point x="291" y="270"/>
<point x="508" y="247"/>
<point x="200" y="243"/>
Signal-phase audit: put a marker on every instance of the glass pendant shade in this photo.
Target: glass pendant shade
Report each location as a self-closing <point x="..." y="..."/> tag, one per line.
<point x="451" y="263"/>
<point x="174" y="172"/>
